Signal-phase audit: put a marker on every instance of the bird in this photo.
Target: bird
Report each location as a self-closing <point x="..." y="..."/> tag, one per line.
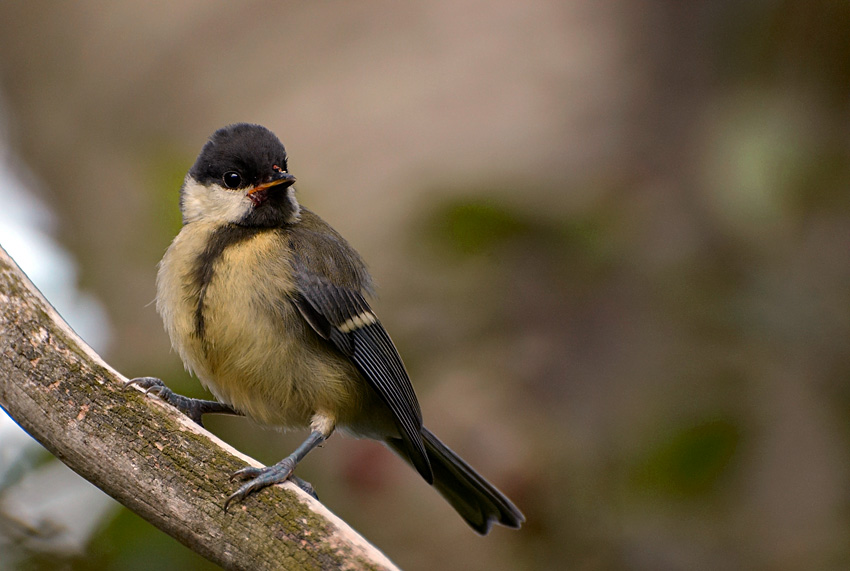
<point x="268" y="306"/>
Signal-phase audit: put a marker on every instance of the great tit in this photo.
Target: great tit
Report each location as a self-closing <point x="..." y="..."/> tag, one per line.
<point x="266" y="304"/>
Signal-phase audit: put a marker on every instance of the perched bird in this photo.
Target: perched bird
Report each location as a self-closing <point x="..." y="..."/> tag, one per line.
<point x="266" y="304"/>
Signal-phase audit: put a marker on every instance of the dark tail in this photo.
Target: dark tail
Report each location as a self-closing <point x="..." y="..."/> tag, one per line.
<point x="475" y="499"/>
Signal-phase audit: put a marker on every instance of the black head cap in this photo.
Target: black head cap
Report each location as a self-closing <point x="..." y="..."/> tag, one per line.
<point x="241" y="177"/>
<point x="252" y="151"/>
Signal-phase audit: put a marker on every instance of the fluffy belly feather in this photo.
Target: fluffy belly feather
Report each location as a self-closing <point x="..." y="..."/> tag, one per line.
<point x="244" y="338"/>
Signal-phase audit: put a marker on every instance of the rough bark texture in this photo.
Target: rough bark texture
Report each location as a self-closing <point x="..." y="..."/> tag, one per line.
<point x="147" y="455"/>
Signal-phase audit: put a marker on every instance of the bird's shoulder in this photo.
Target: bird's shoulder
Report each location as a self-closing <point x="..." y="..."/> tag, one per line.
<point x="321" y="253"/>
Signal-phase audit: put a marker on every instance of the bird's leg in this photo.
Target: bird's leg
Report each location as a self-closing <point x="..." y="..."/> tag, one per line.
<point x="193" y="408"/>
<point x="260" y="478"/>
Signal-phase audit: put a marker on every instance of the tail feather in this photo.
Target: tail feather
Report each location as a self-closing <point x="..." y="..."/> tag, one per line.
<point x="474" y="498"/>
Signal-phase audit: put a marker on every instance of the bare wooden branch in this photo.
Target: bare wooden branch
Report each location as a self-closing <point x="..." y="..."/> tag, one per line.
<point x="150" y="457"/>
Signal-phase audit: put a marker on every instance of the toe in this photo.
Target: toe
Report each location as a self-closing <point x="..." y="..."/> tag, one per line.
<point x="143" y="382"/>
<point x="259" y="478"/>
<point x="246" y="473"/>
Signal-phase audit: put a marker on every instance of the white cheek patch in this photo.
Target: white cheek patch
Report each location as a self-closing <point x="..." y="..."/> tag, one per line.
<point x="296" y="208"/>
<point x="214" y="203"/>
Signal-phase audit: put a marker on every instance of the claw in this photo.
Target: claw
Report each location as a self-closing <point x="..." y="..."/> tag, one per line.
<point x="259" y="478"/>
<point x="246" y="473"/>
<point x="145" y="383"/>
<point x="243" y="492"/>
<point x="151" y="385"/>
<point x="304" y="485"/>
<point x="157" y="390"/>
<point x="193" y="408"/>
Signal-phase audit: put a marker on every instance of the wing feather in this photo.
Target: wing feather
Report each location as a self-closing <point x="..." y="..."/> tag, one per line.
<point x="343" y="317"/>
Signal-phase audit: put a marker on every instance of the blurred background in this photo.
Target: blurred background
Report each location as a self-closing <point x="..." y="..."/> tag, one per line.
<point x="611" y="240"/>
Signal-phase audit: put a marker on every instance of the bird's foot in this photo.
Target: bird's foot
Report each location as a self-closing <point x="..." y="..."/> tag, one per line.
<point x="304" y="485"/>
<point x="193" y="408"/>
<point x="259" y="478"/>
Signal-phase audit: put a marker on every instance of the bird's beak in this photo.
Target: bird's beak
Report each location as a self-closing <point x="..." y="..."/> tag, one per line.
<point x="282" y="179"/>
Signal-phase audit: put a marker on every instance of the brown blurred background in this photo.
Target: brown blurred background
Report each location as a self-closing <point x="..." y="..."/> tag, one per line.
<point x="611" y="240"/>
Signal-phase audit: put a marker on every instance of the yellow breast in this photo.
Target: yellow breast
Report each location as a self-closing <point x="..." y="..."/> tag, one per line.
<point x="234" y="325"/>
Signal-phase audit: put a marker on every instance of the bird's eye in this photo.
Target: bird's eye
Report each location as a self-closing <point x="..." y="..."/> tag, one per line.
<point x="232" y="179"/>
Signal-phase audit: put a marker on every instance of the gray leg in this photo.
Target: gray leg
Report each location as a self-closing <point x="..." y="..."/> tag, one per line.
<point x="193" y="408"/>
<point x="260" y="478"/>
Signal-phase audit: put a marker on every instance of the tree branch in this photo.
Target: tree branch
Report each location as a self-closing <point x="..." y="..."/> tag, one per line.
<point x="150" y="457"/>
